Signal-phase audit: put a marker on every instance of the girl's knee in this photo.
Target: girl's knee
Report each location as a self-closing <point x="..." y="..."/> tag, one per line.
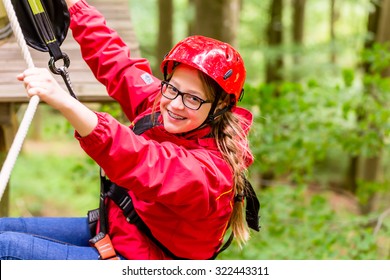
<point x="8" y="237"/>
<point x="10" y="244"/>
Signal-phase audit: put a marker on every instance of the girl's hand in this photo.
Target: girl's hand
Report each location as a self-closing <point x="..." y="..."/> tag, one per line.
<point x="39" y="81"/>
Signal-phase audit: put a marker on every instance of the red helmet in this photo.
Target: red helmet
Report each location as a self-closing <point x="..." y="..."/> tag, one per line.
<point x="216" y="59"/>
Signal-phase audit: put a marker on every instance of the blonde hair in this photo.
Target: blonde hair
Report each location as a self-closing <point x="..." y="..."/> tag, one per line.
<point x="230" y="134"/>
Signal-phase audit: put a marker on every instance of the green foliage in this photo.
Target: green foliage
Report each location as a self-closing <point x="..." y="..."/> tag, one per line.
<point x="293" y="126"/>
<point x="377" y="57"/>
<point x="298" y="224"/>
<point x="50" y="185"/>
<point x="299" y="125"/>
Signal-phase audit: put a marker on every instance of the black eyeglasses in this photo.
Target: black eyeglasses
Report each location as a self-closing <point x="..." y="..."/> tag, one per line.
<point x="189" y="100"/>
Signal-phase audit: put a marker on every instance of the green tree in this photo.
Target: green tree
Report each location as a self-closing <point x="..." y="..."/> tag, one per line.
<point x="372" y="117"/>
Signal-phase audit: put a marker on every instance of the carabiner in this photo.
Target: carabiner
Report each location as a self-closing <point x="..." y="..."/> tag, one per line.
<point x="63" y="71"/>
<point x="52" y="64"/>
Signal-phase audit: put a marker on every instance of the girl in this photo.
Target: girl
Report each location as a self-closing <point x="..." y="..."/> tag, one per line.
<point x="173" y="182"/>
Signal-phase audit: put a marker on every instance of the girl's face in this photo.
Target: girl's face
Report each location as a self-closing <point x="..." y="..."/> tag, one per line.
<point x="177" y="117"/>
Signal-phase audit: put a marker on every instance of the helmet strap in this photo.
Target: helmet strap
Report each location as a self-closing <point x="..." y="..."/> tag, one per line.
<point x="165" y="71"/>
<point x="211" y="116"/>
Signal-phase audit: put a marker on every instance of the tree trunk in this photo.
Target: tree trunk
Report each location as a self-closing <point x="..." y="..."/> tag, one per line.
<point x="165" y="31"/>
<point x="369" y="173"/>
<point x="217" y="19"/>
<point x="191" y="21"/>
<point x="371" y="165"/>
<point x="274" y="34"/>
<point x="333" y="19"/>
<point x="351" y="180"/>
<point x="373" y="25"/>
<point x="298" y="21"/>
<point x="383" y="34"/>
<point x="298" y="30"/>
<point x="350" y="183"/>
<point x="368" y="168"/>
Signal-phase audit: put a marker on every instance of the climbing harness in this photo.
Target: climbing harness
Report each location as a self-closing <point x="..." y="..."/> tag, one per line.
<point x="122" y="199"/>
<point x="33" y="13"/>
<point x="101" y="241"/>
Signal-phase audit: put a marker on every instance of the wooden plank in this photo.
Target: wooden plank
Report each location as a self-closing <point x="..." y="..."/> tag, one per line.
<point x="117" y="15"/>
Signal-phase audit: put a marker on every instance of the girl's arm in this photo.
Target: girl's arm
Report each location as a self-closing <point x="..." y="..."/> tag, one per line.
<point x="39" y="81"/>
<point x="127" y="79"/>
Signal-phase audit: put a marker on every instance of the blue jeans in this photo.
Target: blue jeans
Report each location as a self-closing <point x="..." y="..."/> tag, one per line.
<point x="45" y="238"/>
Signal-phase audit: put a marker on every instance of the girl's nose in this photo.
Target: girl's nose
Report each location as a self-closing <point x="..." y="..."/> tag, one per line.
<point x="178" y="103"/>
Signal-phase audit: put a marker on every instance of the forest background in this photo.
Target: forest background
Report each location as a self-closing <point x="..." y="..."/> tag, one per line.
<point x="318" y="86"/>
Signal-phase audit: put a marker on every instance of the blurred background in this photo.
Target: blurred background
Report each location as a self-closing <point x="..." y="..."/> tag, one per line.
<point x="318" y="86"/>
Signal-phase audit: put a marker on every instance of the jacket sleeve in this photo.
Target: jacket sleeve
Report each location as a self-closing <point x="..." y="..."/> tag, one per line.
<point x="127" y="80"/>
<point x="164" y="172"/>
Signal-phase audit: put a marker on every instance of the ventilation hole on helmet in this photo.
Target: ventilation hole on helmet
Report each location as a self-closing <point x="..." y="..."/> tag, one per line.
<point x="228" y="74"/>
<point x="229" y="54"/>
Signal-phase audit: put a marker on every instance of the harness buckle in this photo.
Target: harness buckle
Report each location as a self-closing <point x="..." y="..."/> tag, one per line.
<point x="93" y="218"/>
<point x="102" y="243"/>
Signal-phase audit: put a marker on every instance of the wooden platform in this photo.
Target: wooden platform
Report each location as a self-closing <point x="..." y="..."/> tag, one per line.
<point x="12" y="92"/>
<point x="117" y="14"/>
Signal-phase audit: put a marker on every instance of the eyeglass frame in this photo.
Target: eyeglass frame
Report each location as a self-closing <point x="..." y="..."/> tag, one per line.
<point x="166" y="84"/>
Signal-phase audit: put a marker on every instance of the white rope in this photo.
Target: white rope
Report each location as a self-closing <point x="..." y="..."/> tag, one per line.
<point x="30" y="111"/>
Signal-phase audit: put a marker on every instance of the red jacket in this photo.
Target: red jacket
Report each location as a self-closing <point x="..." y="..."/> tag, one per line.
<point x="180" y="185"/>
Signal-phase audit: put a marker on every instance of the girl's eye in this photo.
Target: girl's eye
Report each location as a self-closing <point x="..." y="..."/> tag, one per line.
<point x="192" y="99"/>
<point x="172" y="88"/>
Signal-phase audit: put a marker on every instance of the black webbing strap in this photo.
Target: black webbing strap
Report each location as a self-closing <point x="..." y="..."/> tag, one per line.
<point x="102" y="203"/>
<point x="146" y="123"/>
<point x="224" y="247"/>
<point x="44" y="28"/>
<point x="121" y="198"/>
<point x="102" y="241"/>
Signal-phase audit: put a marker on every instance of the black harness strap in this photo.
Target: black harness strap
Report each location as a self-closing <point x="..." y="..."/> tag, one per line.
<point x="146" y="123"/>
<point x="121" y="198"/>
<point x="101" y="241"/>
